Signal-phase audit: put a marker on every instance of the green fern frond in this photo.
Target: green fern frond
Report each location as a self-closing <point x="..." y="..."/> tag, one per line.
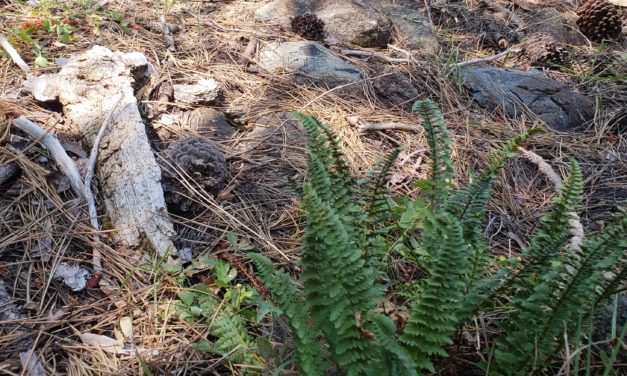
<point x="533" y="329"/>
<point x="442" y="170"/>
<point x="323" y="144"/>
<point x="228" y="327"/>
<point x="555" y="232"/>
<point x="394" y="359"/>
<point x="375" y="187"/>
<point x="378" y="214"/>
<point x="289" y="298"/>
<point x="338" y="285"/>
<point x="469" y="203"/>
<point x="434" y="317"/>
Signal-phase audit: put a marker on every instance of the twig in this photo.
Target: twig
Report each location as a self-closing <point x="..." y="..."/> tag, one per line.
<point x="375" y="55"/>
<point x="576" y="228"/>
<point x="388" y="125"/>
<point x="167" y="34"/>
<point x="66" y="164"/>
<point x="15" y="56"/>
<point x="486" y="59"/>
<point x="354" y="121"/>
<point x="91" y="202"/>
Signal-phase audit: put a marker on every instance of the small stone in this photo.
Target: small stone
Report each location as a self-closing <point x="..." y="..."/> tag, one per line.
<point x="312" y="62"/>
<point x="395" y="89"/>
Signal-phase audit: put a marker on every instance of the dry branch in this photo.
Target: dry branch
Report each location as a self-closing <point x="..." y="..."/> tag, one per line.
<point x="375" y="55"/>
<point x="15" y="56"/>
<point x="354" y="121"/>
<point x="66" y="164"/>
<point x="576" y="228"/>
<point x="486" y="59"/>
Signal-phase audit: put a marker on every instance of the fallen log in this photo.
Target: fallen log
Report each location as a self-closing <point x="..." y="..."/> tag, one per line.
<point x="87" y="86"/>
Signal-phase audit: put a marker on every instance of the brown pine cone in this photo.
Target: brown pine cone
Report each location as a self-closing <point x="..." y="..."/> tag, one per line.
<point x="195" y="158"/>
<point x="599" y="20"/>
<point x="541" y="49"/>
<point x="308" y="26"/>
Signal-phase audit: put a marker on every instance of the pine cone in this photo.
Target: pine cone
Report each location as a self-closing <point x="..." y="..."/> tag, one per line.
<point x="599" y="20"/>
<point x="541" y="49"/>
<point x="197" y="159"/>
<point x="308" y="26"/>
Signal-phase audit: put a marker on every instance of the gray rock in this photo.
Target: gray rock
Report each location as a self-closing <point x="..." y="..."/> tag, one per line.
<point x="556" y="104"/>
<point x="395" y="89"/>
<point x="361" y="22"/>
<point x="412" y="28"/>
<point x="310" y="61"/>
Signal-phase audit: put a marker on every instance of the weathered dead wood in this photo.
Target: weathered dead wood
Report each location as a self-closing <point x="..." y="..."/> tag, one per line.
<point x="87" y="87"/>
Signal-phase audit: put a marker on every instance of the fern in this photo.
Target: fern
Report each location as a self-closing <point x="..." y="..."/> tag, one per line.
<point x="377" y="215"/>
<point x="433" y="318"/>
<point x="394" y="359"/>
<point x="290" y="299"/>
<point x="338" y="284"/>
<point x="226" y="325"/>
<point x="532" y="328"/>
<point x="347" y="230"/>
<point x="442" y="170"/>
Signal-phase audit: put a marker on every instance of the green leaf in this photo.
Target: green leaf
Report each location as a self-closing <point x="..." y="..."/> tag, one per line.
<point x="224" y="274"/>
<point x="265" y="348"/>
<point x="196" y="311"/>
<point x="265" y="307"/>
<point x="171" y="269"/>
<point x="187" y="297"/>
<point x="47" y="26"/>
<point x="41" y="62"/>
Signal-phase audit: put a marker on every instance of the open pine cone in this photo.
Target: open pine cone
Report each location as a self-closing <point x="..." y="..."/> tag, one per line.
<point x="599" y="20"/>
<point x="541" y="49"/>
<point x="195" y="158"/>
<point x="308" y="26"/>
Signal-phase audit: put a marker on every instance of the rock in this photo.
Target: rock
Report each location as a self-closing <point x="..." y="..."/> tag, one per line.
<point x="360" y="22"/>
<point x="204" y="121"/>
<point x="278" y="129"/>
<point x="311" y="61"/>
<point x="8" y="171"/>
<point x="562" y="25"/>
<point x="204" y="91"/>
<point x="412" y="28"/>
<point x="556" y="104"/>
<point x="395" y="89"/>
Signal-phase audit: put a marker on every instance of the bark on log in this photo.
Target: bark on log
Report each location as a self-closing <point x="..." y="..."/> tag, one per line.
<point x="87" y="87"/>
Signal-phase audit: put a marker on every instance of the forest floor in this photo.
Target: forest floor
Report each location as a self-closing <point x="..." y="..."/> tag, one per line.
<point x="39" y="228"/>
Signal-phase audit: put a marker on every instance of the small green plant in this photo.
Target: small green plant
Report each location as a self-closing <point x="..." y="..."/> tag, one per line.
<point x="212" y="296"/>
<point x="56" y="25"/>
<point x="225" y="322"/>
<point x="350" y="229"/>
